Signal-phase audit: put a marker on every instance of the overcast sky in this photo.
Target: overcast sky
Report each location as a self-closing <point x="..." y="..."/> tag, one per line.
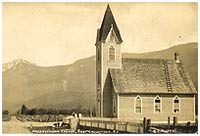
<point x="61" y="33"/>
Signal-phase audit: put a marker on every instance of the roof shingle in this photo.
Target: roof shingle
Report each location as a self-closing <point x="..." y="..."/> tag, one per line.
<point x="151" y="76"/>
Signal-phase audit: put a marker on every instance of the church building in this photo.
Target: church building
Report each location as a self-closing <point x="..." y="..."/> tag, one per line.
<point x="136" y="88"/>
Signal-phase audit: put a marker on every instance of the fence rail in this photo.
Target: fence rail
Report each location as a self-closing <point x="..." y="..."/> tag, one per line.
<point x="122" y="125"/>
<point x="126" y="125"/>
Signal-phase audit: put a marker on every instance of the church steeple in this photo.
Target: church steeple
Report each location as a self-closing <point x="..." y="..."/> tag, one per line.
<point x="107" y="23"/>
<point x="108" y="56"/>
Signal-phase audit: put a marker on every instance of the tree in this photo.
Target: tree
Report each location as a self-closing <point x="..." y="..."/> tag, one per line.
<point x="24" y="110"/>
<point x="33" y="111"/>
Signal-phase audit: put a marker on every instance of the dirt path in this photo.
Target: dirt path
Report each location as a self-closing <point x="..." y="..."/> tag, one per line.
<point x="15" y="126"/>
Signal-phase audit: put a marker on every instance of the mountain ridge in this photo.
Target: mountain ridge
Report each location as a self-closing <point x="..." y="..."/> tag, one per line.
<point x="20" y="60"/>
<point x="73" y="85"/>
<point x="15" y="63"/>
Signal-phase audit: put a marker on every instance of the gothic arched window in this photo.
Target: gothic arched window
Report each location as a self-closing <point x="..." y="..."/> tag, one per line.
<point x="111" y="53"/>
<point x="157" y="105"/>
<point x="176" y="105"/>
<point x="138" y="105"/>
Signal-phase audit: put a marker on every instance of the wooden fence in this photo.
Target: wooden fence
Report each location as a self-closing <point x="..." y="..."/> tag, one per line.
<point x="121" y="125"/>
<point x="127" y="125"/>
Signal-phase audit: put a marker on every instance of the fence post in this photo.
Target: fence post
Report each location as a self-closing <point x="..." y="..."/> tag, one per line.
<point x="126" y="125"/>
<point x="175" y="119"/>
<point x="144" y="125"/>
<point x="98" y="125"/>
<point x="105" y="125"/>
<point x="168" y="122"/>
<point x="196" y="122"/>
<point x="90" y="111"/>
<point x="148" y="123"/>
<point x="73" y="123"/>
<point x="114" y="125"/>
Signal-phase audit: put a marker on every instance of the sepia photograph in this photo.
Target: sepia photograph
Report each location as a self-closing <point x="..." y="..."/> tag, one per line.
<point x="100" y="67"/>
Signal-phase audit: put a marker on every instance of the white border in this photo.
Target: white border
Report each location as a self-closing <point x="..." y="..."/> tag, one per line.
<point x="100" y="1"/>
<point x="95" y="1"/>
<point x="1" y="39"/>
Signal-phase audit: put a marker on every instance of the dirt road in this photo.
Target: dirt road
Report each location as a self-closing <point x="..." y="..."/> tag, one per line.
<point x="15" y="126"/>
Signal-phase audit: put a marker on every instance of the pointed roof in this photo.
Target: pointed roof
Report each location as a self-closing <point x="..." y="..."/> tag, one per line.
<point x="106" y="25"/>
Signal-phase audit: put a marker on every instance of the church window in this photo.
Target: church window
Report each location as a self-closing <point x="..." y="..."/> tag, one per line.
<point x="157" y="105"/>
<point x="114" y="105"/>
<point x="138" y="105"/>
<point x="176" y="105"/>
<point x="111" y="53"/>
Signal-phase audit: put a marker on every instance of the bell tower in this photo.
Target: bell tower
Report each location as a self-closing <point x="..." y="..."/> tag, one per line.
<point x="108" y="54"/>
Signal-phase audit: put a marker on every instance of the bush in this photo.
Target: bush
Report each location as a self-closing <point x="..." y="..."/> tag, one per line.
<point x="59" y="118"/>
<point x="6" y="117"/>
<point x="44" y="118"/>
<point x="5" y="112"/>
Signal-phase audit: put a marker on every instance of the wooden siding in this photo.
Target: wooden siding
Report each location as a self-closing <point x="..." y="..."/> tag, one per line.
<point x="98" y="79"/>
<point x="126" y="108"/>
<point x="107" y="97"/>
<point x="105" y="64"/>
<point x="110" y="64"/>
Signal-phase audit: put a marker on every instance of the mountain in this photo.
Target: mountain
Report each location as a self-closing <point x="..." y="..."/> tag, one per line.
<point x="38" y="86"/>
<point x="15" y="63"/>
<point x="73" y="85"/>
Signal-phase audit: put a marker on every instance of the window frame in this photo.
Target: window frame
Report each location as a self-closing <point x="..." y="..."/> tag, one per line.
<point x="113" y="54"/>
<point x="179" y="104"/>
<point x="136" y="104"/>
<point x="157" y="96"/>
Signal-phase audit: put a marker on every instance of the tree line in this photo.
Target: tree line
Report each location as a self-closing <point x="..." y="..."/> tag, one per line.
<point x="42" y="111"/>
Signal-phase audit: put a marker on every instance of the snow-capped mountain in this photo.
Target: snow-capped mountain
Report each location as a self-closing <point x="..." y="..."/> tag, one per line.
<point x="73" y="84"/>
<point x="15" y="63"/>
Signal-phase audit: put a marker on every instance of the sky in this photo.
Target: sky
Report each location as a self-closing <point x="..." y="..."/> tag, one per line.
<point x="60" y="33"/>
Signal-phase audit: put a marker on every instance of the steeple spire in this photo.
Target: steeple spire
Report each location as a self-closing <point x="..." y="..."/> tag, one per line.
<point x="107" y="23"/>
<point x="108" y="55"/>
